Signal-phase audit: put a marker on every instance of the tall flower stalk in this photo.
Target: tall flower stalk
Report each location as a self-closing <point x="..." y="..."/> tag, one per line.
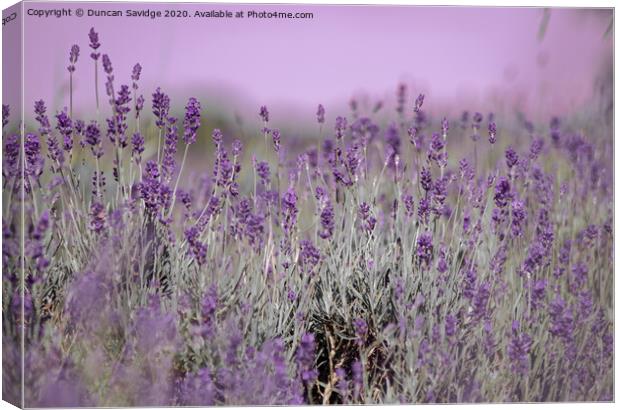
<point x="73" y="57"/>
<point x="191" y="123"/>
<point x="93" y="36"/>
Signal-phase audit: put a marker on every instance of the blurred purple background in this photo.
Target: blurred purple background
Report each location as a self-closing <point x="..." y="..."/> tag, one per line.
<point x="486" y="59"/>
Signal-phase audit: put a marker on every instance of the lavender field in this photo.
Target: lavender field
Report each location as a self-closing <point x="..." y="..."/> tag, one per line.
<point x="392" y="257"/>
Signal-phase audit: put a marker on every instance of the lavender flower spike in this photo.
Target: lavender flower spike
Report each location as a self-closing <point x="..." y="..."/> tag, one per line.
<point x="161" y="107"/>
<point x="320" y="114"/>
<point x="264" y="114"/>
<point x="191" y="123"/>
<point x="94" y="45"/>
<point x="492" y="132"/>
<point x="5" y="115"/>
<point x="93" y="36"/>
<point x="65" y="127"/>
<point x="418" y="103"/>
<point x="107" y="64"/>
<point x="73" y="57"/>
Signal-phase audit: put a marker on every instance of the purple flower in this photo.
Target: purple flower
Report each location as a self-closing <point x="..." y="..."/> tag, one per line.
<point x="154" y="193"/>
<point x="93" y="36"/>
<point x="262" y="170"/>
<point x="424" y="209"/>
<point x="197" y="249"/>
<point x="361" y="329"/>
<point x="535" y="256"/>
<point x="97" y="217"/>
<point x="320" y="114"/>
<point x="139" y="105"/>
<point x="107" y="64"/>
<point x="518" y="217"/>
<point x="92" y="135"/>
<point x="442" y="264"/>
<point x="364" y="211"/>
<point x="327" y="221"/>
<point x="65" y="128"/>
<point x="554" y="127"/>
<point x="413" y="132"/>
<point x="538" y="293"/>
<point x="98" y="183"/>
<point x="217" y="136"/>
<point x="492" y="132"/>
<point x="309" y="255"/>
<point x="418" y="103"/>
<point x="275" y="134"/>
<point x="591" y="232"/>
<point x="489" y="342"/>
<point x="401" y="98"/>
<point x="135" y="74"/>
<point x="186" y="199"/>
<point x="36" y="247"/>
<point x="469" y="282"/>
<point x="305" y="359"/>
<point x="353" y="104"/>
<point x="78" y="127"/>
<point x="226" y="169"/>
<point x="124" y="96"/>
<point x="117" y="123"/>
<point x="464" y="119"/>
<point x="340" y="127"/>
<point x="580" y="275"/>
<point x="73" y="57"/>
<point x="562" y="323"/>
<point x="209" y="304"/>
<point x="289" y="207"/>
<point x="511" y="157"/>
<point x="440" y="192"/>
<point x="41" y="117"/>
<point x="502" y="192"/>
<point x="444" y="127"/>
<point x="197" y="389"/>
<point x="364" y="131"/>
<point x="237" y="147"/>
<point x="518" y="350"/>
<point x="343" y="384"/>
<point x="536" y="148"/>
<point x="34" y="160"/>
<point x="450" y="326"/>
<point x="358" y="376"/>
<point x="161" y="107"/>
<point x="5" y="115"/>
<point x="18" y="303"/>
<point x="424" y="248"/>
<point x="409" y="205"/>
<point x="191" y="123"/>
<point x="585" y="304"/>
<point x="370" y="224"/>
<point x="170" y="149"/>
<point x="264" y="114"/>
<point x="137" y="144"/>
<point x="565" y="250"/>
<point x="369" y="220"/>
<point x="480" y="301"/>
<point x="426" y="180"/>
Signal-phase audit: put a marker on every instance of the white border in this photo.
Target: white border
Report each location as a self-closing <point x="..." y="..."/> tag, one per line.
<point x="485" y="3"/>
